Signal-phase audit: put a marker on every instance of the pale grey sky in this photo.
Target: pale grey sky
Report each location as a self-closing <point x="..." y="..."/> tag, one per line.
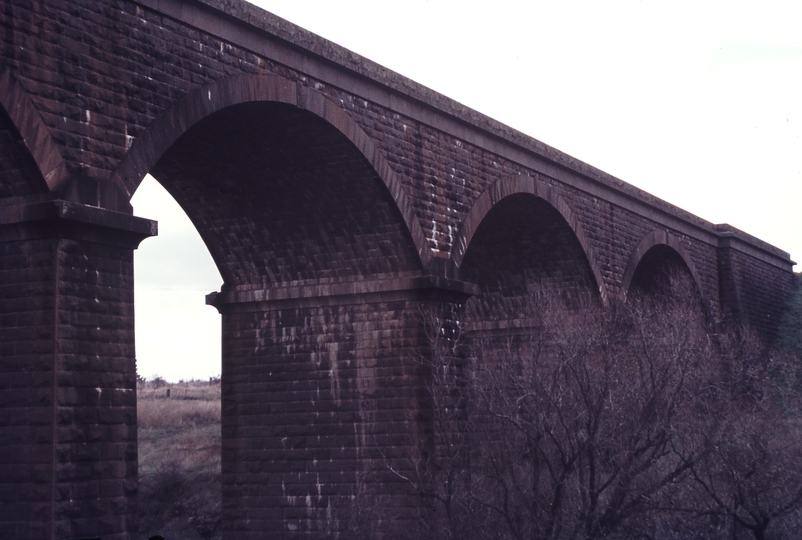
<point x="698" y="103"/>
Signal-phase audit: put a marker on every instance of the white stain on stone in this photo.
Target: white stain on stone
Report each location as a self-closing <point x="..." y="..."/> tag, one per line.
<point x="260" y="341"/>
<point x="289" y="498"/>
<point x="288" y="336"/>
<point x="334" y="372"/>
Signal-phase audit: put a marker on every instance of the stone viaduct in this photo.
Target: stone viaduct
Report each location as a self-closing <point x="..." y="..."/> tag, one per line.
<point x="338" y="199"/>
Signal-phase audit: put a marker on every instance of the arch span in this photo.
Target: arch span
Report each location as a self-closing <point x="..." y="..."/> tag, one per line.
<point x="524" y="185"/>
<point x="35" y="134"/>
<point x="672" y="247"/>
<point x="150" y="146"/>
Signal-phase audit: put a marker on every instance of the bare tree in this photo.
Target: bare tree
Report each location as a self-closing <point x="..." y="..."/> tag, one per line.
<point x="581" y="422"/>
<point x="751" y="481"/>
<point x="636" y="421"/>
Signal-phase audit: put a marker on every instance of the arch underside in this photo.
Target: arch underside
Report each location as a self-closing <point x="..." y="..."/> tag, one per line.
<point x="660" y="268"/>
<point x="524" y="249"/>
<point x="662" y="273"/>
<point x="279" y="195"/>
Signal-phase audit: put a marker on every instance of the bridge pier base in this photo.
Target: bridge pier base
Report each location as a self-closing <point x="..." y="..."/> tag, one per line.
<point x="67" y="371"/>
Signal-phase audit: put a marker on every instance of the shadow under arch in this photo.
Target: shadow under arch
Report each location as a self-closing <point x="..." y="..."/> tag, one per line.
<point x="36" y="136"/>
<point x="524" y="248"/>
<point x="149" y="146"/>
<point x="524" y="185"/>
<point x="660" y="251"/>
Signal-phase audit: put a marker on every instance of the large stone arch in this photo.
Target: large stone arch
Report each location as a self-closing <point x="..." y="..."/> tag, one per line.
<point x="148" y="148"/>
<point x="671" y="247"/>
<point x="44" y="153"/>
<point x="524" y="185"/>
<point x="322" y="258"/>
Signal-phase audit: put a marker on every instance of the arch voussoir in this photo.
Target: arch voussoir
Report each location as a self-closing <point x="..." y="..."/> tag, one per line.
<point x="34" y="132"/>
<point x="148" y="147"/>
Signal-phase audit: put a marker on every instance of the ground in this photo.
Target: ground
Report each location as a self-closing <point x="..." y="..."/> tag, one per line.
<point x="179" y="460"/>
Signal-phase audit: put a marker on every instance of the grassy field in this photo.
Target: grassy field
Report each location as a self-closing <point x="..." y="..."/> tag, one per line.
<point x="179" y="460"/>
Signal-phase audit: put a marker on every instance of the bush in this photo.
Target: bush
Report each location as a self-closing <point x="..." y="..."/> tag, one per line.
<point x="637" y="421"/>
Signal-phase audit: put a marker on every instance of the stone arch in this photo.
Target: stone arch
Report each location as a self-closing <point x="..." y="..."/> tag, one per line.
<point x="522" y="246"/>
<point x="150" y="145"/>
<point x="320" y="253"/>
<point x="51" y="170"/>
<point x="672" y="247"/>
<point x="517" y="185"/>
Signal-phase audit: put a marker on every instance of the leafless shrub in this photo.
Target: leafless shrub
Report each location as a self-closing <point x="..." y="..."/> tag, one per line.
<point x="168" y="481"/>
<point x="750" y="482"/>
<point x="636" y="421"/>
<point x="581" y="422"/>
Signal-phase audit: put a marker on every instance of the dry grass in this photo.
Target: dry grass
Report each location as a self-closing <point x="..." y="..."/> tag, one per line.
<point x="179" y="460"/>
<point x="177" y="413"/>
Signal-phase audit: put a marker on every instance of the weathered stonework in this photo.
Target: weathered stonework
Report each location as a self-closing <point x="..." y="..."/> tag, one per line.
<point x="340" y="202"/>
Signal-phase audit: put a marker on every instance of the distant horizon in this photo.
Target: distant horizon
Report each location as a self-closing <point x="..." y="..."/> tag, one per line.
<point x="184" y="381"/>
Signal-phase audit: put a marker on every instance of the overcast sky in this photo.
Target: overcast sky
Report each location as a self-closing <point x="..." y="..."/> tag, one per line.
<point x="698" y="103"/>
